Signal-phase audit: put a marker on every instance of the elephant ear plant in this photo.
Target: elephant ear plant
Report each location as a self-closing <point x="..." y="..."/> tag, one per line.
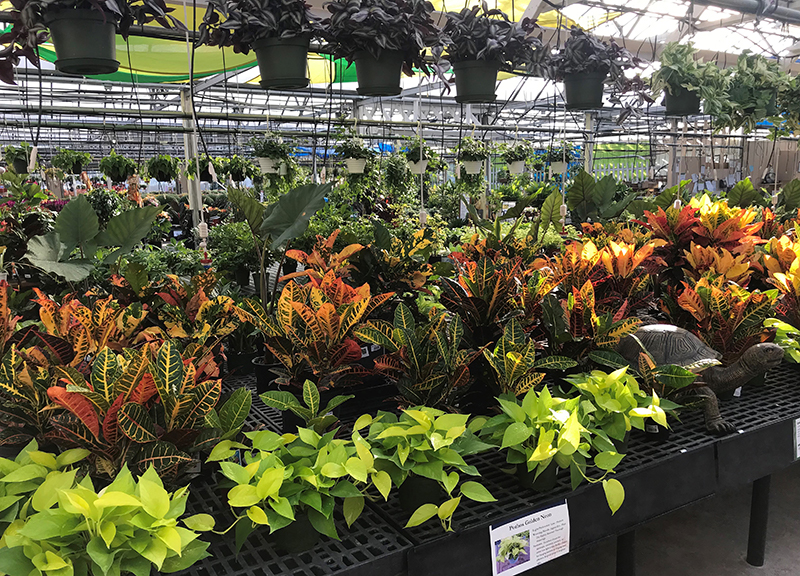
<point x="423" y="452"/>
<point x="129" y="526"/>
<point x="73" y="248"/>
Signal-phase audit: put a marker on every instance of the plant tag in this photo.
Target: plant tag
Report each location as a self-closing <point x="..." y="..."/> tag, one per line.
<point x="738" y="392"/>
<point x="212" y="172"/>
<point x="32" y="159"/>
<point x="529" y="541"/>
<point x="364" y="351"/>
<point x="797" y="439"/>
<point x="374" y="348"/>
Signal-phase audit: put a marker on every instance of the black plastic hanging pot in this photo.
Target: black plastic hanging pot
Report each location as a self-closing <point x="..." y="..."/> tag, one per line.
<point x="162" y="175"/>
<point x="85" y="41"/>
<point x="20" y="166"/>
<point x="682" y="102"/>
<point x="77" y="168"/>
<point x="379" y="76"/>
<point x="283" y="62"/>
<point x="584" y="91"/>
<point x="476" y="81"/>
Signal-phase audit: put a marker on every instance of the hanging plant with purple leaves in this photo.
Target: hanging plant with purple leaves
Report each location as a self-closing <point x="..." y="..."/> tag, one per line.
<point x="240" y="23"/>
<point x="28" y="28"/>
<point x="478" y="33"/>
<point x="377" y="25"/>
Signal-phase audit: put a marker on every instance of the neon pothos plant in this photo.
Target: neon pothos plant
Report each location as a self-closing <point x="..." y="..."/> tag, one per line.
<point x="431" y="444"/>
<point x="515" y="364"/>
<point x="311" y="331"/>
<point x="541" y="430"/>
<point x="306" y="473"/>
<point x="425" y="361"/>
<point x="129" y="526"/>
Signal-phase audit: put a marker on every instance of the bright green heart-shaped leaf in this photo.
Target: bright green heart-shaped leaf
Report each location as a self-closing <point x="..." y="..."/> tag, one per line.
<point x="422" y="515"/>
<point x="477" y="492"/>
<point x="615" y="494"/>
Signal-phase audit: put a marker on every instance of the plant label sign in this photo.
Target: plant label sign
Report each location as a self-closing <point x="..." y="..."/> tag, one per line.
<point x="529" y="541"/>
<point x="797" y="439"/>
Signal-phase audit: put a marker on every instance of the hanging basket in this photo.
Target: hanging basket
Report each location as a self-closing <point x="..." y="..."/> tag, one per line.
<point x="472" y="166"/>
<point x="355" y="165"/>
<point x="476" y="80"/>
<point x="163" y="175"/>
<point x="517" y="167"/>
<point x="682" y="102"/>
<point x="283" y="62"/>
<point x="584" y="91"/>
<point x="268" y="165"/>
<point x="418" y="167"/>
<point x="558" y="168"/>
<point x="20" y="166"/>
<point x="379" y="76"/>
<point x="85" y="41"/>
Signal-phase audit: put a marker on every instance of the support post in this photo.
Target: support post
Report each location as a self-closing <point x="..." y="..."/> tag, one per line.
<point x="759" y="515"/>
<point x="588" y="146"/>
<point x="672" y="153"/>
<point x="626" y="553"/>
<point x="189" y="152"/>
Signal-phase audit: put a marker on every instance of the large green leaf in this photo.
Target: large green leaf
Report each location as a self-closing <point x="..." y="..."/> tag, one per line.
<point x="615" y="209"/>
<point x="791" y="195"/>
<point x="77" y="225"/>
<point x="291" y="213"/>
<point x="580" y="196"/>
<point x="127" y="229"/>
<point x="252" y="209"/>
<point x="45" y="251"/>
<point x="743" y="194"/>
<point x="234" y="412"/>
<point x="551" y="213"/>
<point x="604" y="191"/>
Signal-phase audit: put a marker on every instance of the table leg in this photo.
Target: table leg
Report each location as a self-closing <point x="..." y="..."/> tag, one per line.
<point x="759" y="513"/>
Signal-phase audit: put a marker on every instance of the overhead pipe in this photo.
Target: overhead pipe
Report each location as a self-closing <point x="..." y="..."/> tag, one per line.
<point x="780" y="13"/>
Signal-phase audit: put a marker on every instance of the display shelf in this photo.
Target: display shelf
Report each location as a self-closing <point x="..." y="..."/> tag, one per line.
<point x="366" y="548"/>
<point x="658" y="478"/>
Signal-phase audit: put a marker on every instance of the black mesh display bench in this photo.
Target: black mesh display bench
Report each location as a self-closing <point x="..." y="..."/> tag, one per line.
<point x="658" y="478"/>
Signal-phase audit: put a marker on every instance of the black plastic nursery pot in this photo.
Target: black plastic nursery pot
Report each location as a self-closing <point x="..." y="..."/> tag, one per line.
<point x="283" y="62"/>
<point x="242" y="276"/>
<point x="416" y="491"/>
<point x="476" y="81"/>
<point x="298" y="536"/>
<point x="264" y="374"/>
<point x="682" y="102"/>
<point x="20" y="166"/>
<point x="584" y="91"/>
<point x="289" y="266"/>
<point x="205" y="175"/>
<point x="77" y="168"/>
<point x="379" y="76"/>
<point x="656" y="432"/>
<point x="241" y="363"/>
<point x="85" y="41"/>
<point x="545" y="482"/>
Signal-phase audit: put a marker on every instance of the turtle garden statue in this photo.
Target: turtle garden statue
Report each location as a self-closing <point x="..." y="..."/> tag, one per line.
<point x="669" y="344"/>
